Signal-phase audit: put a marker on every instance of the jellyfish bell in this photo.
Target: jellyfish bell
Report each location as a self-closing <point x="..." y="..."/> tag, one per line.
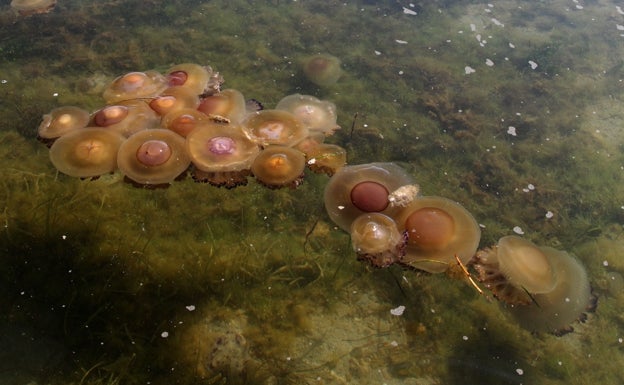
<point x="32" y="7"/>
<point x="364" y="188"/>
<point x="326" y="158"/>
<point x="174" y="99"/>
<point x="228" y="104"/>
<point x="125" y="117"/>
<point x="153" y="157"/>
<point x="221" y="154"/>
<point x="183" y="121"/>
<point x="192" y="76"/>
<point x="135" y="85"/>
<point x="279" y="166"/>
<point x="438" y="229"/>
<point x="317" y="115"/>
<point x="274" y="127"/>
<point x="60" y="121"/>
<point x="377" y="240"/>
<point x="87" y="152"/>
<point x="546" y="290"/>
<point x="322" y="70"/>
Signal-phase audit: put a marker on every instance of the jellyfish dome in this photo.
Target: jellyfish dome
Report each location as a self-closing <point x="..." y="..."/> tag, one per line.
<point x="32" y="7"/>
<point x="61" y="120"/>
<point x="228" y="104"/>
<point x="135" y="85"/>
<point x="377" y="240"/>
<point x="126" y="117"/>
<point x="322" y="70"/>
<point x="274" y="127"/>
<point x="317" y="115"/>
<point x="279" y="166"/>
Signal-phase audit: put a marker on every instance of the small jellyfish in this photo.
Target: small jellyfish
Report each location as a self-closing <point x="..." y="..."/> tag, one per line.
<point x="221" y="153"/>
<point x="32" y="7"/>
<point x="153" y="157"/>
<point x="322" y="70"/>
<point x="363" y="188"/>
<point x="228" y="104"/>
<point x="183" y="121"/>
<point x="192" y="76"/>
<point x="317" y="115"/>
<point x="87" y="152"/>
<point x="174" y="99"/>
<point x="376" y="239"/>
<point x="274" y="127"/>
<point x="279" y="166"/>
<point x="135" y="85"/>
<point x="60" y="121"/>
<point x="438" y="229"/>
<point x="547" y="289"/>
<point x="125" y="117"/>
<point x="326" y="158"/>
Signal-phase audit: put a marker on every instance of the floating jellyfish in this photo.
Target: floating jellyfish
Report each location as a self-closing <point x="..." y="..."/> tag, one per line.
<point x="126" y="117"/>
<point x="317" y="115"/>
<point x="174" y="99"/>
<point x="191" y="76"/>
<point x="546" y="289"/>
<point x="135" y="85"/>
<point x="274" y="127"/>
<point x="376" y="239"/>
<point x="438" y="229"/>
<point x="153" y="157"/>
<point x="183" y="121"/>
<point x="87" y="152"/>
<point x="279" y="166"/>
<point x="322" y="70"/>
<point x="363" y="188"/>
<point x="60" y="121"/>
<point x="228" y="104"/>
<point x="326" y="158"/>
<point x="32" y="7"/>
<point x="221" y="153"/>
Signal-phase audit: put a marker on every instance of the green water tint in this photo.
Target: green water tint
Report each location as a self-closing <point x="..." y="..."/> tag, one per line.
<point x="126" y="262"/>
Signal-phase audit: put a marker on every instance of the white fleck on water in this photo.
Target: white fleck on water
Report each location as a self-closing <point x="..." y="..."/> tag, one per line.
<point x="532" y="64"/>
<point x="469" y="70"/>
<point x="489" y="63"/>
<point x="397" y="311"/>
<point x="511" y="130"/>
<point x="401" y="41"/>
<point x="518" y="230"/>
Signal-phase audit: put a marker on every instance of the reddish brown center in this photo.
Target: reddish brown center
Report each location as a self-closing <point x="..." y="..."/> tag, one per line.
<point x="369" y="196"/>
<point x="110" y="115"/>
<point x="430" y="228"/>
<point x="177" y="78"/>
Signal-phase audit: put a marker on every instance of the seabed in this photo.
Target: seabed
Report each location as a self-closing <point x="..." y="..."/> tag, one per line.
<point x="511" y="108"/>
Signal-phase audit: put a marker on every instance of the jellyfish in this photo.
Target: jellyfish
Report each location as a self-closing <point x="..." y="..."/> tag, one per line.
<point x="174" y="99"/>
<point x="125" y="117"/>
<point x="279" y="166"/>
<point x="87" y="152"/>
<point x="61" y="120"/>
<point x="135" y="85"/>
<point x="326" y="158"/>
<point x="183" y="121"/>
<point x="363" y="188"/>
<point x="192" y="76"/>
<point x="32" y="7"/>
<point x="153" y="157"/>
<point x="377" y="240"/>
<point x="228" y="104"/>
<point x="545" y="289"/>
<point x="322" y="70"/>
<point x="274" y="127"/>
<point x="438" y="229"/>
<point x="221" y="153"/>
<point x="317" y="115"/>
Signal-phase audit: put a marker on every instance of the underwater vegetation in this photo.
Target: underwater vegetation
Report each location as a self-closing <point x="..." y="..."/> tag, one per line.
<point x="512" y="109"/>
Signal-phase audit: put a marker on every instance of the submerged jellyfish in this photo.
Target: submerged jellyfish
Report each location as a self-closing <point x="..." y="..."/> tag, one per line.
<point x="326" y="158"/>
<point x="363" y="188"/>
<point x="221" y="153"/>
<point x="153" y="157"/>
<point x="279" y="166"/>
<point x="322" y="70"/>
<point x="191" y="76"/>
<point x="376" y="239"/>
<point x="546" y="289"/>
<point x="125" y="117"/>
<point x="317" y="115"/>
<point x="134" y="85"/>
<point x="60" y="121"/>
<point x="228" y="104"/>
<point x="32" y="7"/>
<point x="87" y="152"/>
<point x="174" y="99"/>
<point x="274" y="127"/>
<point x="437" y="229"/>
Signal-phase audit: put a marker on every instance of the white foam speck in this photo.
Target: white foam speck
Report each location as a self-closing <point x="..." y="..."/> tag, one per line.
<point x="397" y="311"/>
<point x="408" y="11"/>
<point x="619" y="27"/>
<point x="469" y="70"/>
<point x="619" y="9"/>
<point x="496" y="22"/>
<point x="549" y="214"/>
<point x="401" y="41"/>
<point x="518" y="230"/>
<point x="511" y="130"/>
<point x="511" y="45"/>
<point x="489" y="63"/>
<point x="532" y="64"/>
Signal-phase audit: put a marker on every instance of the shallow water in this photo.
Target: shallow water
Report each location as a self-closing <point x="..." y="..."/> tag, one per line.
<point x="511" y="108"/>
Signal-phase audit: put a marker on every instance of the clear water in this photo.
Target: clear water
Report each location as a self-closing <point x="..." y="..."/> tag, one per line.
<point x="511" y="108"/>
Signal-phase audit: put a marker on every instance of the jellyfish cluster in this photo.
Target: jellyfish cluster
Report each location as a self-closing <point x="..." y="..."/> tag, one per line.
<point x="380" y="205"/>
<point x="156" y="128"/>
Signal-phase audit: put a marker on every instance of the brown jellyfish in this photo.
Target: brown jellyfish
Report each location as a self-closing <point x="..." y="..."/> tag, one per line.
<point x="183" y="121"/>
<point x="61" y="120"/>
<point x="326" y="158"/>
<point x="228" y="104"/>
<point x="221" y="153"/>
<point x="322" y="70"/>
<point x="87" y="152"/>
<point x="363" y="188"/>
<point x="135" y="85"/>
<point x="153" y="157"/>
<point x="174" y="99"/>
<point x="317" y="115"/>
<point x="125" y="117"/>
<point x="274" y="127"/>
<point x="546" y="289"/>
<point x="279" y="166"/>
<point x="438" y="229"/>
<point x="376" y="239"/>
<point x="189" y="75"/>
<point x="32" y="7"/>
